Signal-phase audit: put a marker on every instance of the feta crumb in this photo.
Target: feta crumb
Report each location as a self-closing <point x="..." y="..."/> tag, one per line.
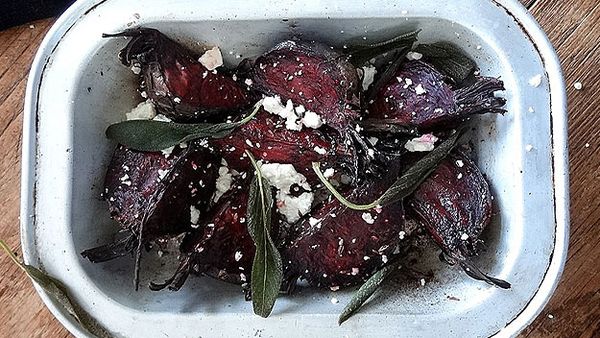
<point x="177" y="100"/>
<point x="248" y="82"/>
<point x="162" y="174"/>
<point x="334" y="288"/>
<point x="536" y="81"/>
<point x="420" y="90"/>
<point x="371" y="153"/>
<point x="408" y="82"/>
<point x="212" y="58"/>
<point x="223" y="183"/>
<point x="313" y="221"/>
<point x="194" y="214"/>
<point x="550" y="316"/>
<point x="136" y="68"/>
<point x="384" y="259"/>
<point x="329" y="172"/>
<point x="531" y="110"/>
<point x="368" y="218"/>
<point x="368" y="76"/>
<point x="282" y="177"/>
<point x="401" y="234"/>
<point x="422" y="282"/>
<point x="414" y="56"/>
<point x="272" y="104"/>
<point x="578" y="85"/>
<point x="464" y="236"/>
<point x="373" y="140"/>
<point x="312" y="120"/>
<point x="355" y="271"/>
<point x="587" y="145"/>
<point x="320" y="151"/>
<point x="478" y="47"/>
<point x="460" y="163"/>
<point x="459" y="176"/>
<point x="423" y="143"/>
<point x="238" y="255"/>
<point x="300" y="109"/>
<point x="529" y="147"/>
<point x="334" y="300"/>
<point x="143" y="111"/>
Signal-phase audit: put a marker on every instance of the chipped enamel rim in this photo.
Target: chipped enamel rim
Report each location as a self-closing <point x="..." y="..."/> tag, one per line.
<point x="559" y="142"/>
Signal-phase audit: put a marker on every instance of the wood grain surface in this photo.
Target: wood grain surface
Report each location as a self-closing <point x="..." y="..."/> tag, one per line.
<point x="574" y="311"/>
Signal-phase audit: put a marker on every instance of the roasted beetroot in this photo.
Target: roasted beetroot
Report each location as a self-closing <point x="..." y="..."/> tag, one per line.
<point x="221" y="247"/>
<point x="455" y="205"/>
<point x="157" y="194"/>
<point x="313" y="75"/>
<point x="268" y="140"/>
<point x="173" y="78"/>
<point x="418" y="96"/>
<point x="339" y="247"/>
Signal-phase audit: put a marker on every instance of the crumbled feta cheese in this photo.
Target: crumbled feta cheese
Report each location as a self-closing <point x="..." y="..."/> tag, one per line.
<point x="578" y="85"/>
<point x="384" y="259"/>
<point x="313" y="221"/>
<point x="223" y="183"/>
<point x="401" y="234"/>
<point x="320" y="151"/>
<point x="423" y="143"/>
<point x="136" y="68"/>
<point x="414" y="56"/>
<point x="368" y="76"/>
<point x="531" y="110"/>
<point x="329" y="172"/>
<point x="300" y="109"/>
<point x="162" y="174"/>
<point x="550" y="316"/>
<point x="371" y="153"/>
<point x="282" y="177"/>
<point x="459" y="176"/>
<point x="464" y="236"/>
<point x="478" y="47"/>
<point x="587" y="145"/>
<point x="368" y="218"/>
<point x="373" y="140"/>
<point x="312" y="120"/>
<point x="460" y="163"/>
<point x="248" y="82"/>
<point x="529" y="147"/>
<point x="334" y="300"/>
<point x="212" y="58"/>
<point x="420" y="90"/>
<point x="334" y="288"/>
<point x="167" y="151"/>
<point x="422" y="282"/>
<point x="536" y="81"/>
<point x="143" y="111"/>
<point x="238" y="255"/>
<point x="408" y="82"/>
<point x="355" y="271"/>
<point x="272" y="104"/>
<point x="194" y="214"/>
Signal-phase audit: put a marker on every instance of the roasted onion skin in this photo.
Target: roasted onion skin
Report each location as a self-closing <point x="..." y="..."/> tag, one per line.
<point x="180" y="86"/>
<point x="343" y="249"/>
<point x="150" y="188"/>
<point x="313" y="75"/>
<point x="267" y="139"/>
<point x="435" y="103"/>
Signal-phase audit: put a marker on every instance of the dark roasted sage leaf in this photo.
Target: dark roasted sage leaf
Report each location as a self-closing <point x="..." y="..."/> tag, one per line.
<point x="366" y="291"/>
<point x="58" y="292"/>
<point x="267" y="270"/>
<point x="359" y="54"/>
<point x="405" y="184"/>
<point x="148" y="135"/>
<point x="448" y="59"/>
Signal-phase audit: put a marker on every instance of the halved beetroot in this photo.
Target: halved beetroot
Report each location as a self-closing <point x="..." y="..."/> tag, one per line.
<point x="313" y="75"/>
<point x="173" y="78"/>
<point x="157" y="193"/>
<point x="268" y="140"/>
<point x="339" y="247"/>
<point x="221" y="247"/>
<point x="418" y="96"/>
<point x="455" y="205"/>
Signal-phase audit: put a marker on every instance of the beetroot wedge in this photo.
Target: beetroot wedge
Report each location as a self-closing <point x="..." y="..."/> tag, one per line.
<point x="418" y="96"/>
<point x="312" y="75"/>
<point x="173" y="78"/>
<point x="455" y="205"/>
<point x="155" y="194"/>
<point x="339" y="247"/>
<point x="221" y="247"/>
<point x="268" y="140"/>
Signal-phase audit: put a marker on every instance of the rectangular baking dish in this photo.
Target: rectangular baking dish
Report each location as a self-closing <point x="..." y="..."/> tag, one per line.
<point x="77" y="88"/>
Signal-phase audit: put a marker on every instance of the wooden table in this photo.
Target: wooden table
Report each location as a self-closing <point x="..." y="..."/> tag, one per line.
<point x="574" y="311"/>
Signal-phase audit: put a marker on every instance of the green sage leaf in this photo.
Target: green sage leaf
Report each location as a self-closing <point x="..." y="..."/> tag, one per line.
<point x="267" y="268"/>
<point x="366" y="291"/>
<point x="148" y="135"/>
<point x="56" y="290"/>
<point x="360" y="54"/>
<point x="405" y="184"/>
<point x="448" y="59"/>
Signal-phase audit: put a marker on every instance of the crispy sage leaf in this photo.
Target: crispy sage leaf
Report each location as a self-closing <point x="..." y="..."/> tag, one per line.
<point x="448" y="59"/>
<point x="267" y="270"/>
<point x="59" y="293"/>
<point x="148" y="135"/>
<point x="366" y="291"/>
<point x="361" y="54"/>
<point x="405" y="184"/>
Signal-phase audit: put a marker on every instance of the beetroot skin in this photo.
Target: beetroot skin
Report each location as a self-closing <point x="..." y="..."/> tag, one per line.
<point x="338" y="247"/>
<point x="455" y="205"/>
<point x="268" y="140"/>
<point x="312" y="75"/>
<point x="150" y="189"/>
<point x="180" y="86"/>
<point x="418" y="96"/>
